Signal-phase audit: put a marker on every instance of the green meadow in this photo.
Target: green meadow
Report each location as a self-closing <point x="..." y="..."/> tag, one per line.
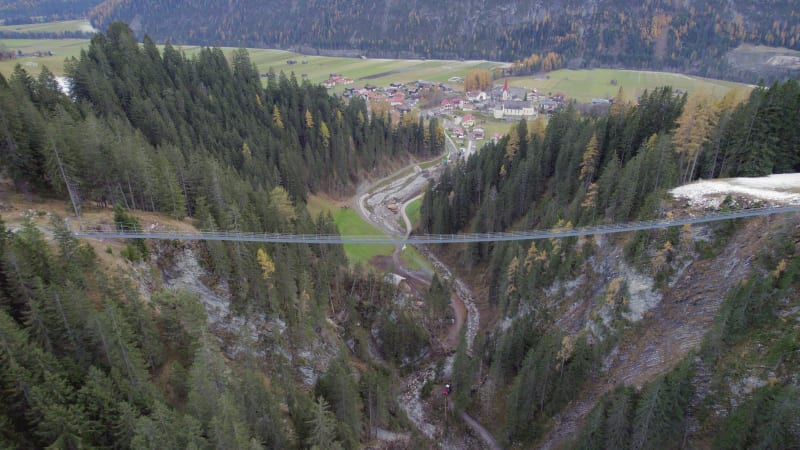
<point x="351" y="224"/>
<point x="412" y="211"/>
<point x="584" y="85"/>
<point x="49" y="27"/>
<point x="61" y="48"/>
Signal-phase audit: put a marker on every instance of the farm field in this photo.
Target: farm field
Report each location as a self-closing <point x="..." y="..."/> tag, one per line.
<point x="50" y="27"/>
<point x="316" y="69"/>
<point x="584" y="85"/>
<point x="61" y="48"/>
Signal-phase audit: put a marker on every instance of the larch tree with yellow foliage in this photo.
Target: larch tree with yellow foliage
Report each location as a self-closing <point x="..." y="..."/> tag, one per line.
<point x="695" y="126"/>
<point x="266" y="263"/>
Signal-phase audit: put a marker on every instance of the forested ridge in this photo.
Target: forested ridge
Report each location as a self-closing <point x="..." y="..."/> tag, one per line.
<point x="584" y="169"/>
<point x="162" y="132"/>
<point x="26" y="11"/>
<point x="565" y="304"/>
<point x="90" y="357"/>
<point x="682" y="36"/>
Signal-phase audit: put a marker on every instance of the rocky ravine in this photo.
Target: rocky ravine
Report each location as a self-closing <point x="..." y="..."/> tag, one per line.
<point x="371" y="205"/>
<point x="672" y="326"/>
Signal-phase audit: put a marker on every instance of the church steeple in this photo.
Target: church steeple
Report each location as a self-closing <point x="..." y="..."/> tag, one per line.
<point x="506" y="95"/>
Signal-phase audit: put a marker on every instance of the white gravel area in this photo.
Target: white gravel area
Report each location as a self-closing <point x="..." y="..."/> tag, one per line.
<point x="780" y="189"/>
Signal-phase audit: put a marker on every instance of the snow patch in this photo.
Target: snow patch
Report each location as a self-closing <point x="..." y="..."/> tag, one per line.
<point x="781" y="189"/>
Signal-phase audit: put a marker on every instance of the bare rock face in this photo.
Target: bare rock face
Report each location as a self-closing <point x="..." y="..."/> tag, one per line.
<point x="237" y="332"/>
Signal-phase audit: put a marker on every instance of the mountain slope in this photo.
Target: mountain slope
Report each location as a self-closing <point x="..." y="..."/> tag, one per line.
<point x="690" y="36"/>
<point x="584" y="321"/>
<point x="27" y="11"/>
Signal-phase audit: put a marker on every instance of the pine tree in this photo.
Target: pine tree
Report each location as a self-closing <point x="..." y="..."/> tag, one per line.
<point x="591" y="157"/>
<point x="339" y="388"/>
<point x="323" y="427"/>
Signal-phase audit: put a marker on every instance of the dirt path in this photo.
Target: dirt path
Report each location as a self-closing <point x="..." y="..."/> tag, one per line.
<point x="487" y="437"/>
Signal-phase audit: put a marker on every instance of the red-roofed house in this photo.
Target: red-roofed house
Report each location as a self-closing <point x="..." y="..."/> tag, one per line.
<point x="468" y="120"/>
<point x="397" y="100"/>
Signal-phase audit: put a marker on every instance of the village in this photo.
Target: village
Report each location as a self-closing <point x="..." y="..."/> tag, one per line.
<point x="467" y="116"/>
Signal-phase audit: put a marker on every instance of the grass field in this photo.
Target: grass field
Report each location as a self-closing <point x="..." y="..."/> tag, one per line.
<point x="412" y="211"/>
<point x="584" y="85"/>
<point x="318" y="204"/>
<point x="61" y="48"/>
<point x="50" y="27"/>
<point x="414" y="260"/>
<point x="351" y="224"/>
<point x="380" y="72"/>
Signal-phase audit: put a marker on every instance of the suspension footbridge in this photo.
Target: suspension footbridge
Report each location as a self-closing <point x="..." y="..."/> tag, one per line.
<point x="110" y="232"/>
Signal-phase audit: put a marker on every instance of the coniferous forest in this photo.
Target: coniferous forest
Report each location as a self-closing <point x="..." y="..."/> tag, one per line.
<point x="86" y="359"/>
<point x="93" y="358"/>
<point x="586" y="169"/>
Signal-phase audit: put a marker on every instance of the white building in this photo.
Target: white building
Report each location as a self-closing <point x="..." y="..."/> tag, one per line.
<point x="514" y="108"/>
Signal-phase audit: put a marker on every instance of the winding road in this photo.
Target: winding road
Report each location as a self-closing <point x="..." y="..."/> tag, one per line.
<point x="404" y="187"/>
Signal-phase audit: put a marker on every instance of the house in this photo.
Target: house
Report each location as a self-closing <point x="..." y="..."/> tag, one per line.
<point x="468" y="120"/>
<point x="447" y="104"/>
<point x="549" y="105"/>
<point x="477" y="96"/>
<point x="397" y="100"/>
<point x="478" y="133"/>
